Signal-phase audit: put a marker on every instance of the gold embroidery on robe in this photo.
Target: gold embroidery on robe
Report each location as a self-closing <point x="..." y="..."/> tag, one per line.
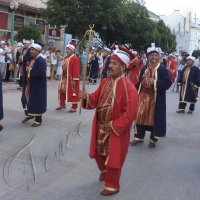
<point x="184" y="85"/>
<point x="104" y="114"/>
<point x="63" y="84"/>
<point x="28" y="81"/>
<point x="145" y="113"/>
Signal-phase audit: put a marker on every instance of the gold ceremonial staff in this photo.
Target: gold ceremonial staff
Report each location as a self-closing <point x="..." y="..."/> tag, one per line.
<point x="90" y="33"/>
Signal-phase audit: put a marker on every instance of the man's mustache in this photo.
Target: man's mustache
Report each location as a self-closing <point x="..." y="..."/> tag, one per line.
<point x="110" y="69"/>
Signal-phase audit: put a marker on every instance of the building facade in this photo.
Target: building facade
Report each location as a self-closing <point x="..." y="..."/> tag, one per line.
<point x="27" y="12"/>
<point x="186" y="30"/>
<point x="153" y="16"/>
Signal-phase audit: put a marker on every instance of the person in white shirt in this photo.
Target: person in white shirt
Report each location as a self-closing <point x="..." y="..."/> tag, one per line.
<point x="3" y="55"/>
<point x="100" y="61"/>
<point x="53" y="58"/>
<point x="48" y="62"/>
<point x="10" y="64"/>
<point x="59" y="66"/>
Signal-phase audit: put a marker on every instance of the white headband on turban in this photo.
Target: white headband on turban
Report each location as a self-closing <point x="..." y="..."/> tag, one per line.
<point x="107" y="49"/>
<point x="37" y="47"/>
<point x="191" y="58"/>
<point x="135" y="52"/>
<point x="124" y="57"/>
<point x="71" y="46"/>
<point x="26" y="41"/>
<point x="154" y="49"/>
<point x="171" y="54"/>
<point x="2" y="42"/>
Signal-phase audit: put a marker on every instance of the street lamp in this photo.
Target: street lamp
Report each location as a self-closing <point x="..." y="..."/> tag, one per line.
<point x="13" y="7"/>
<point x="104" y="28"/>
<point x="47" y="35"/>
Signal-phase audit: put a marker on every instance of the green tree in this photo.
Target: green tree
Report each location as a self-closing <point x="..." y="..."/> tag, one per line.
<point x="30" y="31"/>
<point x="196" y="52"/>
<point x="126" y="21"/>
<point x="138" y="29"/>
<point x="134" y="27"/>
<point x="166" y="38"/>
<point x="78" y="15"/>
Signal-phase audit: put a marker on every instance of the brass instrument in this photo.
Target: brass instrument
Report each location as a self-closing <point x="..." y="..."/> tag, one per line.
<point x="195" y="91"/>
<point x="73" y="88"/>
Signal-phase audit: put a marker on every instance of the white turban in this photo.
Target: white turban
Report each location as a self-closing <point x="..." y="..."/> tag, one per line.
<point x="122" y="55"/>
<point x="25" y="41"/>
<point x="171" y="54"/>
<point x="191" y="58"/>
<point x="71" y="45"/>
<point x="107" y="49"/>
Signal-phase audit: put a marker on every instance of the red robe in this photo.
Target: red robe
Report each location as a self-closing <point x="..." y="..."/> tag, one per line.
<point x="73" y="73"/>
<point x="171" y="67"/>
<point x="124" y="112"/>
<point x="133" y="71"/>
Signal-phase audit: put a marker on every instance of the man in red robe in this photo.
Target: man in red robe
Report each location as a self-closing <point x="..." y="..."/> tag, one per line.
<point x="133" y="69"/>
<point x="69" y="84"/>
<point x="116" y="102"/>
<point x="171" y="67"/>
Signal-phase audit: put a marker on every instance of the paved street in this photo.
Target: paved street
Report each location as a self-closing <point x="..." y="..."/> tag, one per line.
<point x="51" y="162"/>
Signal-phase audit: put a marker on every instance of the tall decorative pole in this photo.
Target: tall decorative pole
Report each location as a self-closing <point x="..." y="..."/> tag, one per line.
<point x="90" y="33"/>
<point x="13" y="7"/>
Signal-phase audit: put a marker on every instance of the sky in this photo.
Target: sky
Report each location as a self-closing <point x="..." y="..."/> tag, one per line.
<point x="166" y="7"/>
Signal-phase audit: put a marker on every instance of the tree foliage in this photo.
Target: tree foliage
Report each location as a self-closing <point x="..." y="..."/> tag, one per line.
<point x="196" y="52"/>
<point x="77" y="15"/>
<point x="30" y="31"/>
<point x="135" y="27"/>
<point x="166" y="38"/>
<point x="125" y="21"/>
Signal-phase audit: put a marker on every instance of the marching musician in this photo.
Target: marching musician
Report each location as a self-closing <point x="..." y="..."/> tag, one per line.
<point x="93" y="67"/>
<point x="23" y="60"/>
<point x="69" y="83"/>
<point x="152" y="86"/>
<point x="106" y="61"/>
<point x="133" y="69"/>
<point x="181" y="65"/>
<point x="171" y="67"/>
<point x="189" y="81"/>
<point x="116" y="103"/>
<point x="34" y="95"/>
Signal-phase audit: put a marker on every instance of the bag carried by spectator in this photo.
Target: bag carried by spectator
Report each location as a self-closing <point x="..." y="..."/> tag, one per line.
<point x="11" y="66"/>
